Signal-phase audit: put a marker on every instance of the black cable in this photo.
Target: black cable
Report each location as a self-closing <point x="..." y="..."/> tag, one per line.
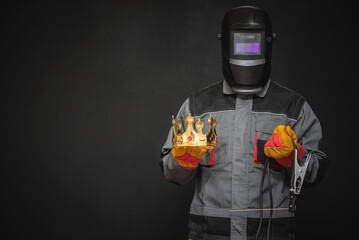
<point x="261" y="200"/>
<point x="271" y="199"/>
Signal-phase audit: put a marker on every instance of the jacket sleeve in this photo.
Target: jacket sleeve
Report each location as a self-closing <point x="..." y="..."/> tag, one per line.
<point x="172" y="171"/>
<point x="309" y="134"/>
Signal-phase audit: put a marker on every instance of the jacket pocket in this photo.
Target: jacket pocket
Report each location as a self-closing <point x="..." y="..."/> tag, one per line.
<point x="224" y="130"/>
<point x="266" y="128"/>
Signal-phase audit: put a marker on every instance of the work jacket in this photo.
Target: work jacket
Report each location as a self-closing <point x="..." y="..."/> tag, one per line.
<point x="226" y="202"/>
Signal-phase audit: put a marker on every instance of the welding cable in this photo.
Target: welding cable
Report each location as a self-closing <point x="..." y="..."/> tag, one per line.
<point x="265" y="169"/>
<point x="261" y="200"/>
<point x="271" y="200"/>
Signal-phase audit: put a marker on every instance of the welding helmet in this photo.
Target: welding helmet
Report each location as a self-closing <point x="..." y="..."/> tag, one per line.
<point x="246" y="49"/>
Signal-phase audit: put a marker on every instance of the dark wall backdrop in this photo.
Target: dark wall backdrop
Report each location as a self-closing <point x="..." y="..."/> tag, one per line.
<point x="88" y="89"/>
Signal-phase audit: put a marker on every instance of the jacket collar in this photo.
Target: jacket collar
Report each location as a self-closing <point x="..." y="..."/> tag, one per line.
<point x="228" y="90"/>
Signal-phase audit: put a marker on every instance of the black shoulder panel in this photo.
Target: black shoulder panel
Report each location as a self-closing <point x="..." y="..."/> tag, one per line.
<point x="279" y="100"/>
<point x="211" y="99"/>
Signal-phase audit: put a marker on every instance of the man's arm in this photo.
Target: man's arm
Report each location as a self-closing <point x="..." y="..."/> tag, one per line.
<point x="172" y="171"/>
<point x="309" y="133"/>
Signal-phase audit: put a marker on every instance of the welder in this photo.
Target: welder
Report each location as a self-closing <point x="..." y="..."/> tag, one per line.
<point x="260" y="123"/>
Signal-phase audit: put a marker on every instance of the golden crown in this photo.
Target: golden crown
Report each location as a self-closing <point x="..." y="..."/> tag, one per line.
<point x="192" y="138"/>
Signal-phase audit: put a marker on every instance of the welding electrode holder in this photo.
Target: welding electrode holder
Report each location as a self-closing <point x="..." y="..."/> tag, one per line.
<point x="298" y="174"/>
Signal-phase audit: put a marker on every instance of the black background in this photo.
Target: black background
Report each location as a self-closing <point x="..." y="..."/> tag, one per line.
<point x="88" y="89"/>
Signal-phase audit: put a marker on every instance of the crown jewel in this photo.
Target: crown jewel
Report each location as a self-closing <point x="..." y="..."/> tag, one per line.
<point x="192" y="138"/>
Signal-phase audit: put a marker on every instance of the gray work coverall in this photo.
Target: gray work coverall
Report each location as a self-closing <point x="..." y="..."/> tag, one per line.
<point x="227" y="195"/>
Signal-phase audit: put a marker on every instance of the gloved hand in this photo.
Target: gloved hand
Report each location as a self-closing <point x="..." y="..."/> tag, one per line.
<point x="188" y="157"/>
<point x="280" y="146"/>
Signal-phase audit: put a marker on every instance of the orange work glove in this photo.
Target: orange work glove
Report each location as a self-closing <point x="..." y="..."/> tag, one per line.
<point x="280" y="146"/>
<point x="188" y="157"/>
